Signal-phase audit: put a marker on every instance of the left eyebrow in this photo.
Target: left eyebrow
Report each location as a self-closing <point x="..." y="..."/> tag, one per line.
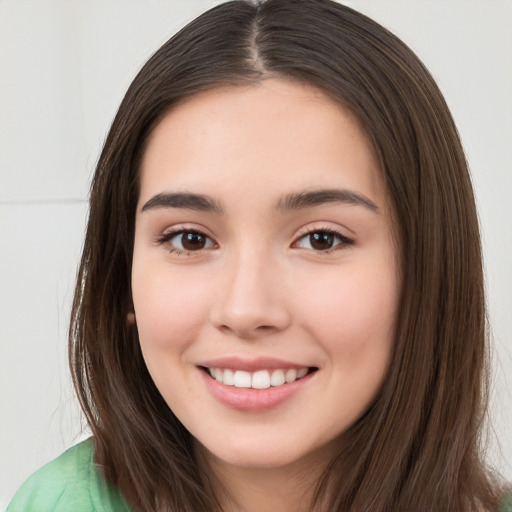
<point x="309" y="199"/>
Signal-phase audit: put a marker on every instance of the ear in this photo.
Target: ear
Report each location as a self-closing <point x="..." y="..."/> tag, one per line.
<point x="130" y="317"/>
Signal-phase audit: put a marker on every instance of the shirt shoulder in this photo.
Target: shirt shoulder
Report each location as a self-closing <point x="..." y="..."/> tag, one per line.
<point x="506" y="502"/>
<point x="70" y="483"/>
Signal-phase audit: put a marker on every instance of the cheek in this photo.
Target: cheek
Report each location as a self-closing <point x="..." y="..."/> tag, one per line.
<point x="168" y="308"/>
<point x="353" y="315"/>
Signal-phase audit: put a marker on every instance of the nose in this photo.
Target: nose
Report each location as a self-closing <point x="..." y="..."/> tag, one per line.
<point x="252" y="301"/>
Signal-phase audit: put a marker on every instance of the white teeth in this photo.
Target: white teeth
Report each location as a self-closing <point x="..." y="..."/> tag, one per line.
<point x="277" y="378"/>
<point x="290" y="375"/>
<point x="301" y="373"/>
<point x="229" y="377"/>
<point x="242" y="379"/>
<point x="261" y="379"/>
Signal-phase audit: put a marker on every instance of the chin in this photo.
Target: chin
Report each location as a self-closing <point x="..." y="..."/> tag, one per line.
<point x="263" y="455"/>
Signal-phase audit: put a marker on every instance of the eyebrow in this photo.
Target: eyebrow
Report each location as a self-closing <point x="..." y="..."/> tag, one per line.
<point x="183" y="200"/>
<point x="294" y="201"/>
<point x="309" y="199"/>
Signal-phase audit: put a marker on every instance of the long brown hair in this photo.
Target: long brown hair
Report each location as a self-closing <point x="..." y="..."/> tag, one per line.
<point x="417" y="448"/>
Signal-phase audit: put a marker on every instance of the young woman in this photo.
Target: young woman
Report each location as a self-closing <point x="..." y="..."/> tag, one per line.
<point x="280" y="301"/>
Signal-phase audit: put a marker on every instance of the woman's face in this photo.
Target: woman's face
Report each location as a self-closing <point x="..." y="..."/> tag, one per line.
<point x="264" y="256"/>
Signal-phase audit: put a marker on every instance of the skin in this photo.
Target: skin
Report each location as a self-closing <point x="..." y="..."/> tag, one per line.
<point x="258" y="286"/>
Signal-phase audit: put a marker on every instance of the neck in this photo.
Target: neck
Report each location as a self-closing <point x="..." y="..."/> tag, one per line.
<point x="259" y="490"/>
<point x="285" y="488"/>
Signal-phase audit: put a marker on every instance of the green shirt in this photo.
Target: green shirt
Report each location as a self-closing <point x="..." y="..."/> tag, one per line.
<point x="506" y="504"/>
<point x="73" y="483"/>
<point x="70" y="483"/>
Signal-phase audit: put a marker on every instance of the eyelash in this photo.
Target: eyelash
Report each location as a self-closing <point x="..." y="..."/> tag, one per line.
<point x="345" y="241"/>
<point x="167" y="237"/>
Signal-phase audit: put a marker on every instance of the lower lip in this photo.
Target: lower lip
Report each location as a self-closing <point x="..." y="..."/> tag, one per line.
<point x="254" y="400"/>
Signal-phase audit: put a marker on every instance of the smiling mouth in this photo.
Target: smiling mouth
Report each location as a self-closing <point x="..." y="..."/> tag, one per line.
<point x="261" y="379"/>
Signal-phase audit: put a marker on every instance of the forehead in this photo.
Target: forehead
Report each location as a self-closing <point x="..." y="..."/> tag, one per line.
<point x="276" y="134"/>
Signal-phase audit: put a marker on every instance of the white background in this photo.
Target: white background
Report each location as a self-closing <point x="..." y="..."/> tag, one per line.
<point x="64" y="67"/>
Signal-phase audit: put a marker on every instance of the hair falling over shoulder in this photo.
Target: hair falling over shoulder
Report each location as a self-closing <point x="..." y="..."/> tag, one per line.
<point x="418" y="448"/>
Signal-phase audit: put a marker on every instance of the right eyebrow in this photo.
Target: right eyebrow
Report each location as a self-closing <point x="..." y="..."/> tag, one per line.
<point x="183" y="200"/>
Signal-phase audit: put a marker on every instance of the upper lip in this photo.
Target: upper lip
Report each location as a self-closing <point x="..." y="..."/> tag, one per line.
<point x="251" y="364"/>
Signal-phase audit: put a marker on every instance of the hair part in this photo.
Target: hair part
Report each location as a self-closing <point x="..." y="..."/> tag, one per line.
<point x="417" y="446"/>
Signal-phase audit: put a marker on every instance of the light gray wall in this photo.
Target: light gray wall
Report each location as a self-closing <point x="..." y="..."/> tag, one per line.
<point x="64" y="66"/>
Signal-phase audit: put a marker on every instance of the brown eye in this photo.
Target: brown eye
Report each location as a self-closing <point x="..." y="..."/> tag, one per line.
<point x="323" y="240"/>
<point x="193" y="241"/>
<point x="189" y="241"/>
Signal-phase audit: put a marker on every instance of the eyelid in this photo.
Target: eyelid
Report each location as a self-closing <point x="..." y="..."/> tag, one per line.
<point x="185" y="226"/>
